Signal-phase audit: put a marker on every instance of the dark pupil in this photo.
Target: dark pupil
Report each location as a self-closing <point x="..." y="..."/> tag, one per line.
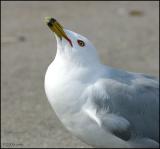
<point x="81" y="43"/>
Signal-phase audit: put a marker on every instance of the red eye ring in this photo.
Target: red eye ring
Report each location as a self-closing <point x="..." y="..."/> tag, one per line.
<point x="81" y="43"/>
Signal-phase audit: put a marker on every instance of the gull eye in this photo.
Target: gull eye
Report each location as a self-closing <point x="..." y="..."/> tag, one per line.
<point x="81" y="43"/>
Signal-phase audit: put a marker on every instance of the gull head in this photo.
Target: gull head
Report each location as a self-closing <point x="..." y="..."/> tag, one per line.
<point x="72" y="46"/>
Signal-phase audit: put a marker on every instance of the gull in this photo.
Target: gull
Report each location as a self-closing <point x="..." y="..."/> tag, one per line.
<point x="101" y="105"/>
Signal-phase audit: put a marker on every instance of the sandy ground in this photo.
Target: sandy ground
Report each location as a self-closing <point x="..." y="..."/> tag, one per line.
<point x="126" y="35"/>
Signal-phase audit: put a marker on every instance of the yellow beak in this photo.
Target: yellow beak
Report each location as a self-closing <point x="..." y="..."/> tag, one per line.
<point x="57" y="28"/>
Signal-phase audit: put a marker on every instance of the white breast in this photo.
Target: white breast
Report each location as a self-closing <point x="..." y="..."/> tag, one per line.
<point x="62" y="90"/>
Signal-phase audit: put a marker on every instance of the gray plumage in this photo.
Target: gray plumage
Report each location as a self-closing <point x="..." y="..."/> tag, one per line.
<point x="134" y="98"/>
<point x="103" y="106"/>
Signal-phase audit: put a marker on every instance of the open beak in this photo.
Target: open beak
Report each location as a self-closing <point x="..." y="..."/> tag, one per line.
<point x="57" y="28"/>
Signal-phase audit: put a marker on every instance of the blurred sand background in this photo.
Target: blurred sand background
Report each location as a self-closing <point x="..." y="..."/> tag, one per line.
<point x="126" y="35"/>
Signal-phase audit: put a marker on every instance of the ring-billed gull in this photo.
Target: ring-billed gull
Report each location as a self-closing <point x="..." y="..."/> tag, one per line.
<point x="101" y="105"/>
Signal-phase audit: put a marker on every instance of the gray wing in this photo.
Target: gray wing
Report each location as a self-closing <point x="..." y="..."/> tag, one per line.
<point x="127" y="104"/>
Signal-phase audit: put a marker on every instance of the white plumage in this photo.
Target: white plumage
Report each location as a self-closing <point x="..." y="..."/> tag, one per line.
<point x="103" y="106"/>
